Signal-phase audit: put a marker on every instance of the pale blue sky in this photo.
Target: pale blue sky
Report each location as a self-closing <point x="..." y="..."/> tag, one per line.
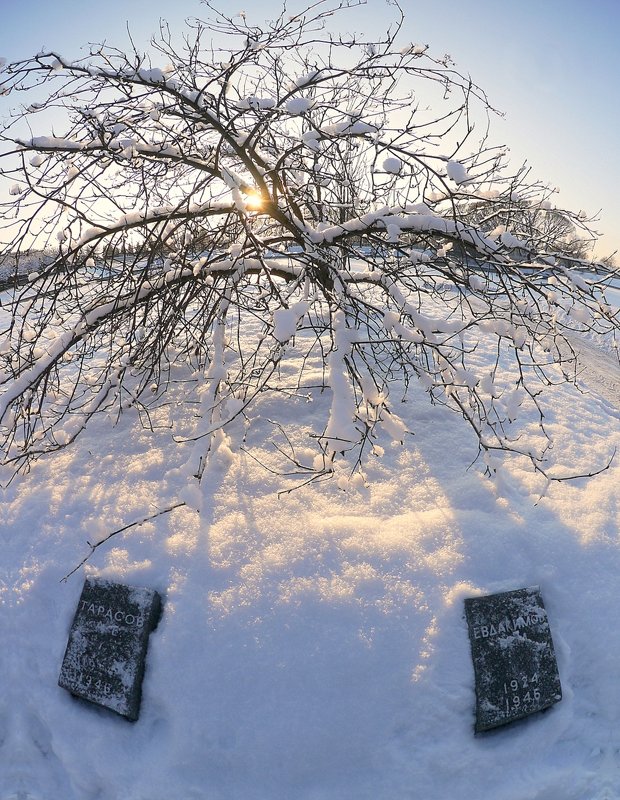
<point x="553" y="67"/>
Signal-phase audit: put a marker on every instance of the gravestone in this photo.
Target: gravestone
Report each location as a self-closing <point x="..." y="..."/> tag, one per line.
<point x="106" y="651"/>
<point x="515" y="668"/>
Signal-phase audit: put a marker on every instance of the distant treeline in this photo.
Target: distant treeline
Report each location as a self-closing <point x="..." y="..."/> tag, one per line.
<point x="15" y="269"/>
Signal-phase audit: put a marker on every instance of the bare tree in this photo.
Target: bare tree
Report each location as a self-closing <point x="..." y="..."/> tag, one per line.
<point x="263" y="200"/>
<point x="610" y="261"/>
<point x="540" y="227"/>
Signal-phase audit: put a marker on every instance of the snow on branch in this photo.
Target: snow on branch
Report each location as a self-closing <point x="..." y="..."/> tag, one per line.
<point x="269" y="211"/>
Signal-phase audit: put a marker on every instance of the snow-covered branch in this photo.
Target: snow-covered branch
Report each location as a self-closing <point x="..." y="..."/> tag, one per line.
<point x="282" y="214"/>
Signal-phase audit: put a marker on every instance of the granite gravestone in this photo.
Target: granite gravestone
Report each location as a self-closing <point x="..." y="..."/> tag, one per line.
<point x="515" y="668"/>
<point x="106" y="651"/>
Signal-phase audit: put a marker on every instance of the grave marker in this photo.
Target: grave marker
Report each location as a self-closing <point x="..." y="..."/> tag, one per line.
<point x="515" y="668"/>
<point x="106" y="651"/>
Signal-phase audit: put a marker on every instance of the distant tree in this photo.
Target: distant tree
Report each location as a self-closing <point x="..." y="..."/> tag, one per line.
<point x="610" y="261"/>
<point x="264" y="199"/>
<point x="540" y="227"/>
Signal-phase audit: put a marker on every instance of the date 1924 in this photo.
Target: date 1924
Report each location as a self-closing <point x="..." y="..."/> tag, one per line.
<point x="521" y="692"/>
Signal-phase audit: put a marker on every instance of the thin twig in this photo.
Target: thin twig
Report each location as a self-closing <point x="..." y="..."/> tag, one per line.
<point x="592" y="474"/>
<point x="93" y="547"/>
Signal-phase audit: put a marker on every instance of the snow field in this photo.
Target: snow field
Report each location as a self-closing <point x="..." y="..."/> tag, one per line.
<point x="313" y="645"/>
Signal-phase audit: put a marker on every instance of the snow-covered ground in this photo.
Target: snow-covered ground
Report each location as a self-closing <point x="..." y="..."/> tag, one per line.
<point x="313" y="646"/>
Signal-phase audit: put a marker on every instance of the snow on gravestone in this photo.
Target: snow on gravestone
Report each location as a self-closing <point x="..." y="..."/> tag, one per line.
<point x="106" y="651"/>
<point x="515" y="668"/>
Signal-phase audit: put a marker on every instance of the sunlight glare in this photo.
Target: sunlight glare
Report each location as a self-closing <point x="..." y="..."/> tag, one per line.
<point x="254" y="200"/>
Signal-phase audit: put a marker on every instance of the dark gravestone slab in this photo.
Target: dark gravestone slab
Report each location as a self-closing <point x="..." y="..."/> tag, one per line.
<point x="514" y="661"/>
<point x="104" y="659"/>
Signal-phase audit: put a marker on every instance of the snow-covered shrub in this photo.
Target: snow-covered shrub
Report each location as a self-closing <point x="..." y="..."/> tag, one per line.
<point x="217" y="224"/>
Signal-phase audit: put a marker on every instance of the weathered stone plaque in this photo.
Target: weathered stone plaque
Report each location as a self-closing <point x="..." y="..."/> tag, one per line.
<point x="514" y="661"/>
<point x="106" y="651"/>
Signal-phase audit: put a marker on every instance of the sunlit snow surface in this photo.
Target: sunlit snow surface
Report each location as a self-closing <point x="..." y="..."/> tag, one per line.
<point x="313" y="646"/>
